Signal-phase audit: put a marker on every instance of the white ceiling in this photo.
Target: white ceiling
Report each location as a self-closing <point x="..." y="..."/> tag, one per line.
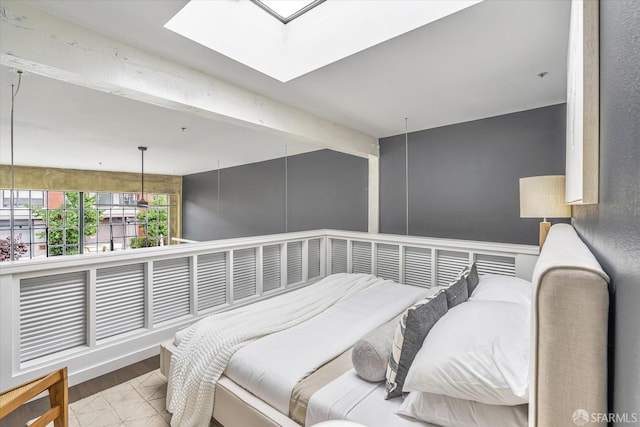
<point x="480" y="62"/>
<point x="58" y="124"/>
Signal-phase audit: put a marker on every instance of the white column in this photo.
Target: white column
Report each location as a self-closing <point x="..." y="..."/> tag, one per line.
<point x="374" y="194"/>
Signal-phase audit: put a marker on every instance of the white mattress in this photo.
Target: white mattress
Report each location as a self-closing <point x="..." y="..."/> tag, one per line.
<point x="271" y="366"/>
<point x="350" y="398"/>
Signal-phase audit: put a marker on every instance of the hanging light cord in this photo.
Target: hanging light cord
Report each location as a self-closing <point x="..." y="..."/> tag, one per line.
<point x="286" y="190"/>
<point x="218" y="220"/>
<point x="142" y="189"/>
<point x="218" y="195"/>
<point x="14" y="92"/>
<point x="406" y="173"/>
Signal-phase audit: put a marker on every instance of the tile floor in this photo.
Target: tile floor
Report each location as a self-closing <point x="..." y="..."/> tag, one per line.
<point x="139" y="402"/>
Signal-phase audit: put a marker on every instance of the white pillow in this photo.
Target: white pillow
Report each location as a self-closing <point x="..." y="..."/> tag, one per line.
<point x="448" y="411"/>
<point x="493" y="287"/>
<point x="478" y="351"/>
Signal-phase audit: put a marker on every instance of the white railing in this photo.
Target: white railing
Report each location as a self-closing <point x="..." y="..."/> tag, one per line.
<point x="178" y="240"/>
<point x="96" y="313"/>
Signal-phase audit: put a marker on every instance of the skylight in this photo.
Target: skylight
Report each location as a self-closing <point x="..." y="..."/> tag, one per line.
<point x="287" y="11"/>
<point x="245" y="33"/>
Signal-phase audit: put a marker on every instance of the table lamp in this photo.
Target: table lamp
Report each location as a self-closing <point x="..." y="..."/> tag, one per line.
<point x="543" y="197"/>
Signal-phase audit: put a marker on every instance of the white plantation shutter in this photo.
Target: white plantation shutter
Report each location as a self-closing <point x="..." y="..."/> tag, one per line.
<point x="53" y="314"/>
<point x="120" y="300"/>
<point x="493" y="264"/>
<point x="449" y="264"/>
<point x="294" y="262"/>
<point x="212" y="280"/>
<point x="244" y="273"/>
<point x="314" y="258"/>
<point x="417" y="266"/>
<point x="361" y="257"/>
<point x="271" y="267"/>
<point x="338" y="256"/>
<point x="388" y="261"/>
<point x="171" y="289"/>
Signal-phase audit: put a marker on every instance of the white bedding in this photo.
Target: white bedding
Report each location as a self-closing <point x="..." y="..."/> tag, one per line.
<point x="350" y="398"/>
<point x="271" y="366"/>
<point x="207" y="346"/>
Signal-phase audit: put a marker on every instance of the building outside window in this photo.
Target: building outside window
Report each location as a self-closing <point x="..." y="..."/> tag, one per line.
<point x="54" y="223"/>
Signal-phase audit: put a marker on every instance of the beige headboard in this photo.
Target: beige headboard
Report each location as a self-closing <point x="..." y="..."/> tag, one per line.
<point x="569" y="333"/>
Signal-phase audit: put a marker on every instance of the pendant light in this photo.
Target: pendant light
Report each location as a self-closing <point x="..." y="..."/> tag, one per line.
<point x="142" y="203"/>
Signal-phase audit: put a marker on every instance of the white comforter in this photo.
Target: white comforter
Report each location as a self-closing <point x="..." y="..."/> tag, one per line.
<point x="271" y="366"/>
<point x="208" y="345"/>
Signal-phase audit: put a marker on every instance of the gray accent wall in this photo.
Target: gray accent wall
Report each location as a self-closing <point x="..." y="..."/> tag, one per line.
<point x="612" y="227"/>
<point x="463" y="178"/>
<point x="326" y="189"/>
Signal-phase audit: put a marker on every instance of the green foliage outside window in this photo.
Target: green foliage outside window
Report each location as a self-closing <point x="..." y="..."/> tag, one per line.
<point x="64" y="224"/>
<point x="157" y="224"/>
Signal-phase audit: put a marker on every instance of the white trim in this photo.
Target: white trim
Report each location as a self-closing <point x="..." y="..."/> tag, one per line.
<point x="91" y="307"/>
<point x="193" y="278"/>
<point x="148" y="295"/>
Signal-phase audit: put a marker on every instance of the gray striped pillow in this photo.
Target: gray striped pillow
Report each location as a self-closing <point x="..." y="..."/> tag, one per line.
<point x="470" y="273"/>
<point x="411" y="331"/>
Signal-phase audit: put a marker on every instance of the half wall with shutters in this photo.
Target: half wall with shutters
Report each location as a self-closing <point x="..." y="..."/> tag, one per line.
<point x="244" y="273"/>
<point x="120" y="300"/>
<point x="361" y="257"/>
<point x="271" y="267"/>
<point x="338" y="256"/>
<point x="212" y="280"/>
<point x="493" y="264"/>
<point x="171" y="289"/>
<point x="388" y="261"/>
<point x="314" y="258"/>
<point x="53" y="314"/>
<point x="294" y="262"/>
<point x="417" y="266"/>
<point x="449" y="264"/>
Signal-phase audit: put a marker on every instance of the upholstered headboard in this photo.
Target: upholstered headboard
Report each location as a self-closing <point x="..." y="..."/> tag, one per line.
<point x="569" y="333"/>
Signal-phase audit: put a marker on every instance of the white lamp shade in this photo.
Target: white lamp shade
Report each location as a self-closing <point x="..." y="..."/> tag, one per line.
<point x="543" y="197"/>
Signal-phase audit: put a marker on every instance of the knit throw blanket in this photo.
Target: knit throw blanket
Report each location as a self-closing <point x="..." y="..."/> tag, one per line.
<point x="208" y="345"/>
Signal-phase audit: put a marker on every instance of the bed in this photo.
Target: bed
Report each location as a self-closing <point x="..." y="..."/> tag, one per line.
<point x="567" y="320"/>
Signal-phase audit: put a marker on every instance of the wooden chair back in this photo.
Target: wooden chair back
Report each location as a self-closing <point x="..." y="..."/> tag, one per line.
<point x="56" y="384"/>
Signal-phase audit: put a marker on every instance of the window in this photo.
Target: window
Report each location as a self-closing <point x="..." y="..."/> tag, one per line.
<point x="22" y="198"/>
<point x="287" y="11"/>
<point x="50" y="223"/>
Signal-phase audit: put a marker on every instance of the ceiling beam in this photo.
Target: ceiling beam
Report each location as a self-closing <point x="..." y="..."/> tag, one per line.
<point x="39" y="43"/>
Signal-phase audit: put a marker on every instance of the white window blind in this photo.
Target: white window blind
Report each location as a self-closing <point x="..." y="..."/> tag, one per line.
<point x="53" y="314"/>
<point x="212" y="280"/>
<point x="388" y="261"/>
<point x="449" y="264"/>
<point x="493" y="264"/>
<point x="171" y="283"/>
<point x="338" y="256"/>
<point x="314" y="258"/>
<point x="244" y="273"/>
<point x="120" y="300"/>
<point x="361" y="257"/>
<point x="271" y="267"/>
<point x="294" y="262"/>
<point x="417" y="266"/>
